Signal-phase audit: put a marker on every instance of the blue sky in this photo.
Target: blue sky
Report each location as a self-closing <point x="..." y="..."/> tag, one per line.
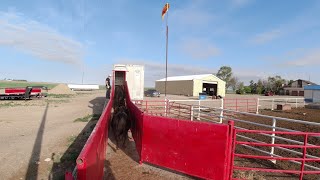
<point x="56" y="40"/>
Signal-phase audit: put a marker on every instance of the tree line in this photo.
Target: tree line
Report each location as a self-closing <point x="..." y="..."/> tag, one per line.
<point x="273" y="84"/>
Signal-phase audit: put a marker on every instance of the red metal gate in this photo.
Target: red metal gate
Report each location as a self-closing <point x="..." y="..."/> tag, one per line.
<point x="240" y="104"/>
<point x="304" y="147"/>
<point x="195" y="148"/>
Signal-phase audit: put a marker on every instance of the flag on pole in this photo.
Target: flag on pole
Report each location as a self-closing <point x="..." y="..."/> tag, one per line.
<point x="165" y="10"/>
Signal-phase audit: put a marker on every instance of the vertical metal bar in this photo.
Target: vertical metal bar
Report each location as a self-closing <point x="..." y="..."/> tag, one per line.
<point x="258" y="101"/>
<point x="236" y="104"/>
<point x="296" y="103"/>
<point x="179" y="110"/>
<point x="247" y="105"/>
<point x="165" y="107"/>
<point x="274" y="121"/>
<point x="221" y="111"/>
<point x="272" y="105"/>
<point x="229" y="149"/>
<point x="199" y="104"/>
<point x="191" y="113"/>
<point x="304" y="155"/>
<point x="147" y="107"/>
<point x="233" y="151"/>
<point x="167" y="35"/>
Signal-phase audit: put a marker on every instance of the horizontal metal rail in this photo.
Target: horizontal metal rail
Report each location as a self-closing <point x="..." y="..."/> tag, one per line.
<point x="271" y="117"/>
<point x="275" y="145"/>
<point x="281" y="148"/>
<point x="276" y="170"/>
<point x="277" y="137"/>
<point x="274" y="158"/>
<point x="265" y="152"/>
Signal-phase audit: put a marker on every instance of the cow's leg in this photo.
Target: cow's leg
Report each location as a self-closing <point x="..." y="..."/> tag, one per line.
<point x="115" y="137"/>
<point x="124" y="135"/>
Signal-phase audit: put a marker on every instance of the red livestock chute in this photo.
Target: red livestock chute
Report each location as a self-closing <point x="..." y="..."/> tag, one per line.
<point x="136" y="121"/>
<point x="90" y="162"/>
<point x="195" y="148"/>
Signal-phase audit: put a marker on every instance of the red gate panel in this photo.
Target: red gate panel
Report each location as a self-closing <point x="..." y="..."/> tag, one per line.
<point x="196" y="148"/>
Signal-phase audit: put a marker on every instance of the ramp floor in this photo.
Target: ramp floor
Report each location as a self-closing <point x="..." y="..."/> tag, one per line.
<point x="123" y="164"/>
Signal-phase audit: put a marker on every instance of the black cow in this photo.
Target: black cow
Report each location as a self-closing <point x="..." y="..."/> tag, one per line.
<point x="119" y="97"/>
<point x="120" y="125"/>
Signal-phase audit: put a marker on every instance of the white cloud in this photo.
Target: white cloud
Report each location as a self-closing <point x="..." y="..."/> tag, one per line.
<point x="309" y="58"/>
<point x="199" y="49"/>
<point x="266" y="36"/>
<point x="38" y="40"/>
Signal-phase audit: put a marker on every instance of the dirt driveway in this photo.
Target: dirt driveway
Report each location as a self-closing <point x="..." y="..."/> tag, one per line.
<point x="36" y="130"/>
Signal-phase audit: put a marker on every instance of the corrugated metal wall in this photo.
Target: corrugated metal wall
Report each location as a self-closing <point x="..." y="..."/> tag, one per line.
<point x="176" y="87"/>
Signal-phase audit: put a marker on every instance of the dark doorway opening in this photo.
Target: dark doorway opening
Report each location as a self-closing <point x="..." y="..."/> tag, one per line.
<point x="210" y="89"/>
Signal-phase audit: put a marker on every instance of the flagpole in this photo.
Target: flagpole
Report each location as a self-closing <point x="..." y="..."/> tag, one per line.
<point x="167" y="34"/>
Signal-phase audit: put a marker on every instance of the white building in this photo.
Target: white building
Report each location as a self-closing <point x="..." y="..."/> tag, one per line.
<point x="312" y="93"/>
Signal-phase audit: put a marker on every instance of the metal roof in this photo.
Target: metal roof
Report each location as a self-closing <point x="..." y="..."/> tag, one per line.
<point x="185" y="78"/>
<point x="312" y="87"/>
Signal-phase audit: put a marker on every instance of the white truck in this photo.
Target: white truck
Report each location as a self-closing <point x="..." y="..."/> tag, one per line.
<point x="134" y="78"/>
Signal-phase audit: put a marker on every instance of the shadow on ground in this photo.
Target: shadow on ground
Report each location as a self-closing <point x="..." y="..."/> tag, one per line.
<point x="67" y="161"/>
<point x="33" y="165"/>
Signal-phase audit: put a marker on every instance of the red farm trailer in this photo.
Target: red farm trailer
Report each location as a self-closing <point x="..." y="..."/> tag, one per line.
<point x="22" y="93"/>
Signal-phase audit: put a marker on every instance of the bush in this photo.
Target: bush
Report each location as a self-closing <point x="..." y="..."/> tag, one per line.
<point x="247" y="89"/>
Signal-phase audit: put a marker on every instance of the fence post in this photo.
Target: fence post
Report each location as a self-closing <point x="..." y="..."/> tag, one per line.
<point x="272" y="104"/>
<point x="221" y="111"/>
<point x="236" y="104"/>
<point x="191" y="113"/>
<point x="257" y="112"/>
<point x="304" y="156"/>
<point x="147" y="107"/>
<point x="247" y="105"/>
<point x="199" y="104"/>
<point x="165" y="106"/>
<point x="274" y="121"/>
<point x="296" y="102"/>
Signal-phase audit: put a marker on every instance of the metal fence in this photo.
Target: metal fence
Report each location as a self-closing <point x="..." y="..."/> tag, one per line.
<point x="303" y="160"/>
<point x="271" y="103"/>
<point x="246" y="121"/>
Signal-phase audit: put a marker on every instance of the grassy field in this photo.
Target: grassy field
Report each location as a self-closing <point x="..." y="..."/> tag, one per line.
<point x="12" y="84"/>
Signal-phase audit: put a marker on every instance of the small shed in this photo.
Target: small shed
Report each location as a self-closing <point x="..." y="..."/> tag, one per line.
<point x="312" y="93"/>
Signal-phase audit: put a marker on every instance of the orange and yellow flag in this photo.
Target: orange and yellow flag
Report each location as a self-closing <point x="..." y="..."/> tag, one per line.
<point x="165" y="10"/>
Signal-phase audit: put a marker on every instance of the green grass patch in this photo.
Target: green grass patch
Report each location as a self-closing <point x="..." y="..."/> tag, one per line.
<point x="14" y="84"/>
<point x="148" y="88"/>
<point x="88" y="117"/>
<point x="60" y="95"/>
<point x="71" y="139"/>
<point x="84" y="119"/>
<point x="57" y="101"/>
<point x="9" y="104"/>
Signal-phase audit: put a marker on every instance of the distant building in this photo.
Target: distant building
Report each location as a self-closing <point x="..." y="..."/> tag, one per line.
<point x="297" y="87"/>
<point x="193" y="85"/>
<point x="312" y="93"/>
